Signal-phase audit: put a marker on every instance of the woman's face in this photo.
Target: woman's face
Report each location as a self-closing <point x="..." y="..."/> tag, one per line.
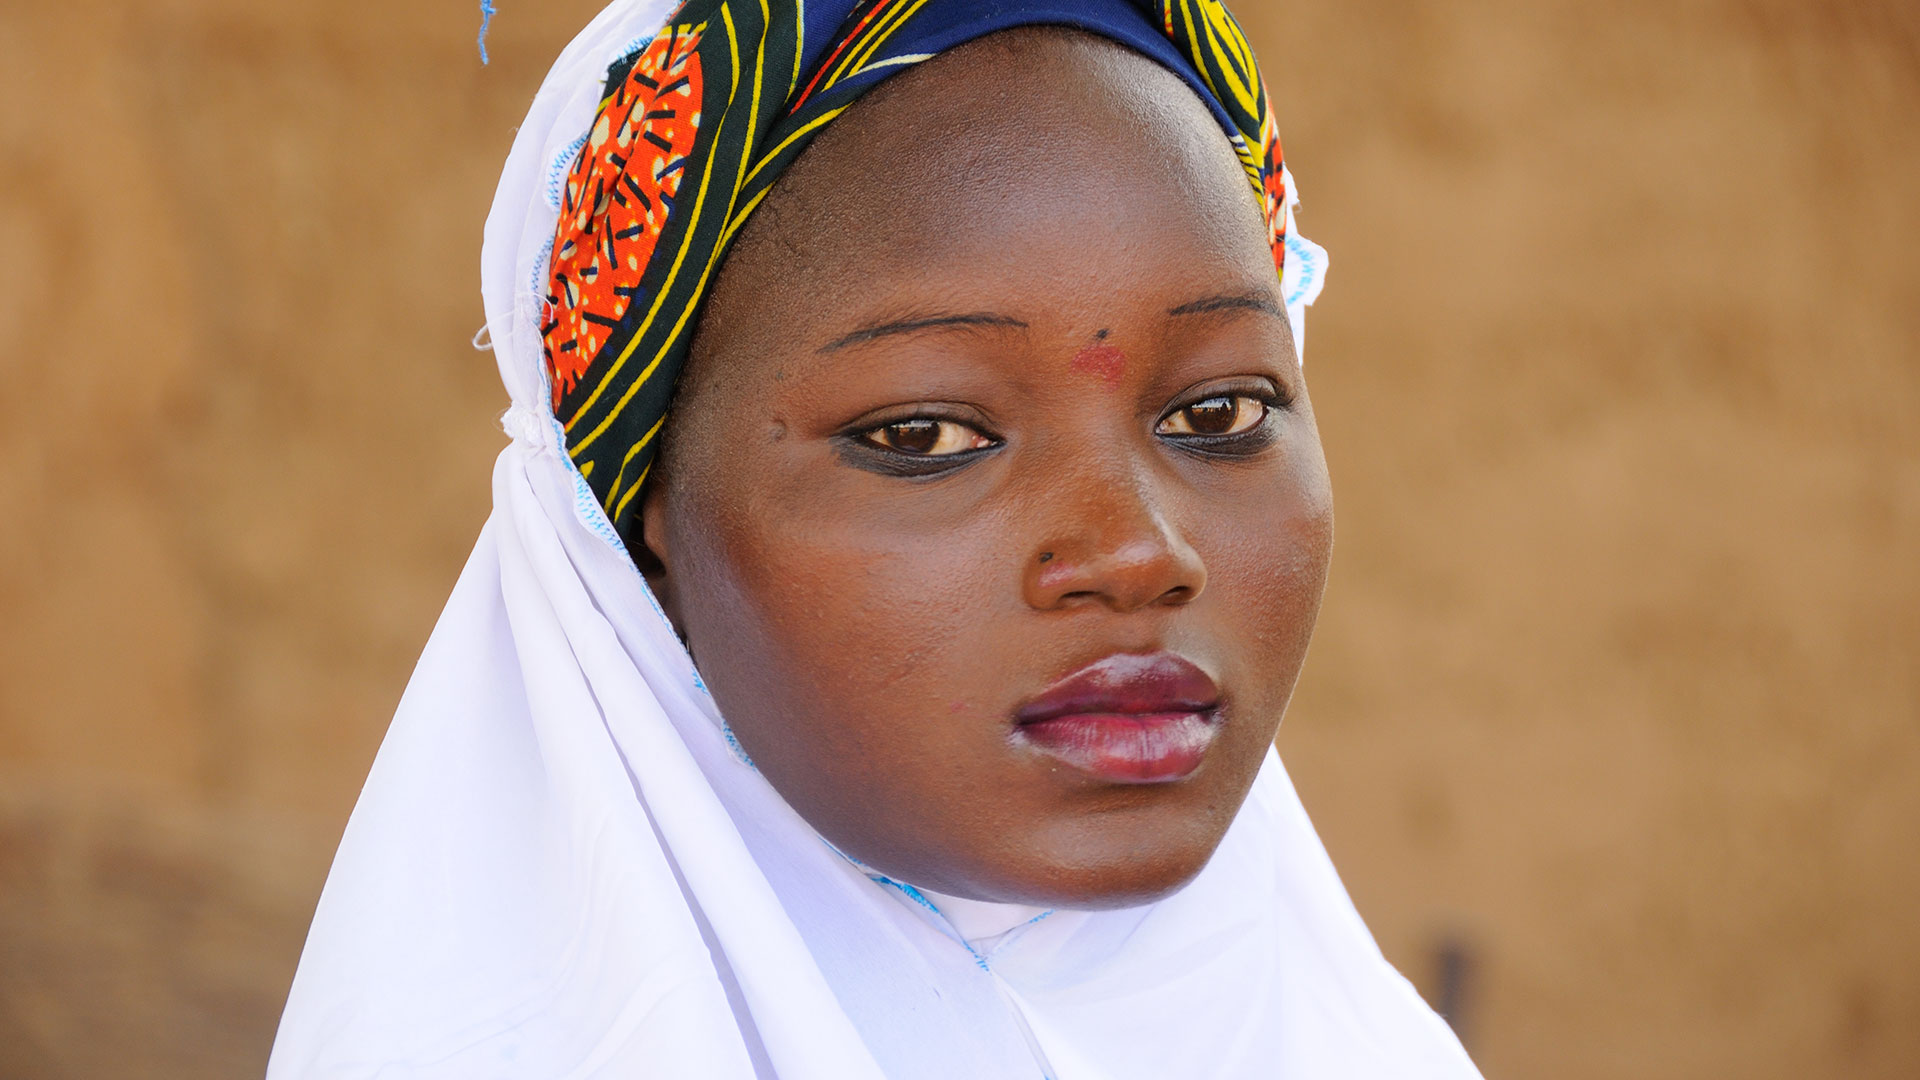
<point x="993" y="510"/>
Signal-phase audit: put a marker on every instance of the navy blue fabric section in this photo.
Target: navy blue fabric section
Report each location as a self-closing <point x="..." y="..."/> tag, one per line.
<point x="944" y="24"/>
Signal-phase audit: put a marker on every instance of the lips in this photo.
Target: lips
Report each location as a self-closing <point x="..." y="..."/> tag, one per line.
<point x="1127" y="719"/>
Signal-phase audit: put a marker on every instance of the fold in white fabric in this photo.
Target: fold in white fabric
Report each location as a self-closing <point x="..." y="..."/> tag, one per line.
<point x="561" y="865"/>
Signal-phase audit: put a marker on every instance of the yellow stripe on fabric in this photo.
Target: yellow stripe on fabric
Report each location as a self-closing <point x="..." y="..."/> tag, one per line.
<point x="881" y="34"/>
<point x="638" y="483"/>
<point x="875" y="32"/>
<point x="768" y="157"/>
<point x="1249" y="160"/>
<point x="1195" y="49"/>
<point x="736" y="214"/>
<point x="799" y="45"/>
<point x="1193" y="46"/>
<point x="740" y="218"/>
<point x="753" y="101"/>
<point x="1236" y="42"/>
<point x="617" y="510"/>
<point x="1241" y="47"/>
<point x="885" y="34"/>
<point x="846" y="56"/>
<point x="1249" y="157"/>
<point x="1228" y="57"/>
<point x="713" y="256"/>
<point x="673" y="272"/>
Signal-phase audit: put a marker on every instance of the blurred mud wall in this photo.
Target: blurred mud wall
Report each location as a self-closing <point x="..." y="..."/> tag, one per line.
<point x="1615" y="701"/>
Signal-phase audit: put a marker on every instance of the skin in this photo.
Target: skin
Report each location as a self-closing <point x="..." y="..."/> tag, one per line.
<point x="1037" y="250"/>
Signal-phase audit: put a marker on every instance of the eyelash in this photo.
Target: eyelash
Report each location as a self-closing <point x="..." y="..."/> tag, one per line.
<point x="1230" y="444"/>
<point x="865" y="451"/>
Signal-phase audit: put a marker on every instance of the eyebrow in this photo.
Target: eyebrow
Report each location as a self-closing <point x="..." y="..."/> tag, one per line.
<point x="1231" y="302"/>
<point x="930" y="322"/>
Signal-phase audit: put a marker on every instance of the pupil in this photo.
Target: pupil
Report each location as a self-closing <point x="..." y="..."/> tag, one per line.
<point x="1214" y="416"/>
<point x="914" y="436"/>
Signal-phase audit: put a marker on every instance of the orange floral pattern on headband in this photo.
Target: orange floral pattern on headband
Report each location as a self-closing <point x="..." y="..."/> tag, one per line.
<point x="616" y="202"/>
<point x="1273" y="189"/>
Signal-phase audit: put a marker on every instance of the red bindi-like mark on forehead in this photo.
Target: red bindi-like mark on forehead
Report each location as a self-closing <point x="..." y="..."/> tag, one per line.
<point x="1100" y="360"/>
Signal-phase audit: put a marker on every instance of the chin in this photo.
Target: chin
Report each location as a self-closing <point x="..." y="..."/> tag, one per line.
<point x="1124" y="886"/>
<point x="1112" y="868"/>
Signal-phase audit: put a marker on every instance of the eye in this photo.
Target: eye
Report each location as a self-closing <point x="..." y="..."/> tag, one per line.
<point x="924" y="436"/>
<point x="1215" y="417"/>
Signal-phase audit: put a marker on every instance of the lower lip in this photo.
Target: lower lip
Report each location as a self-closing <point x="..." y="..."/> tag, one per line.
<point x="1126" y="748"/>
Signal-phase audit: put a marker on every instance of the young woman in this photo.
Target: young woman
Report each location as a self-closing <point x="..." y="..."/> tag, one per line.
<point x="912" y="533"/>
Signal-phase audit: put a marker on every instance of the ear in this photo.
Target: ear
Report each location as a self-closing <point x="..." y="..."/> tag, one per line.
<point x="649" y="550"/>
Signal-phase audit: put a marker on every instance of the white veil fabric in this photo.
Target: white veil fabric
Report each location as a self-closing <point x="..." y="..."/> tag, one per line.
<point x="563" y="866"/>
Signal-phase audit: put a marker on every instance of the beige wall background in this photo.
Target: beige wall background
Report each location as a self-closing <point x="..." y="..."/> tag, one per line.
<point x="1618" y="685"/>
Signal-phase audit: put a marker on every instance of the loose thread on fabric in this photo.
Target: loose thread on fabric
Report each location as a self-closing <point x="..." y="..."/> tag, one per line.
<point x="487" y="12"/>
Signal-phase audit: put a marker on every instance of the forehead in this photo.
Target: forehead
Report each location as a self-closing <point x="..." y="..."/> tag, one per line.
<point x="1044" y="159"/>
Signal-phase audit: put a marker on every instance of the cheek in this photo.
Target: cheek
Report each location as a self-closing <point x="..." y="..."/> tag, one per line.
<point x="856" y="666"/>
<point x="1267" y="563"/>
<point x="837" y="639"/>
<point x="854" y="620"/>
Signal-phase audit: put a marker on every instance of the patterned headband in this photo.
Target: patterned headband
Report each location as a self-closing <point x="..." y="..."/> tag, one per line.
<point x="699" y="121"/>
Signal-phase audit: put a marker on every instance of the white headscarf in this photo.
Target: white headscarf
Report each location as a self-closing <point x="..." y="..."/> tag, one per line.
<point x="563" y="866"/>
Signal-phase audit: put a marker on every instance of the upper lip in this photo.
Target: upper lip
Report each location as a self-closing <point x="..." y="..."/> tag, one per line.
<point x="1140" y="684"/>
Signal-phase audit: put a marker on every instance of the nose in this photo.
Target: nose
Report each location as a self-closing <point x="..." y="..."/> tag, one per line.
<point x="1109" y="542"/>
